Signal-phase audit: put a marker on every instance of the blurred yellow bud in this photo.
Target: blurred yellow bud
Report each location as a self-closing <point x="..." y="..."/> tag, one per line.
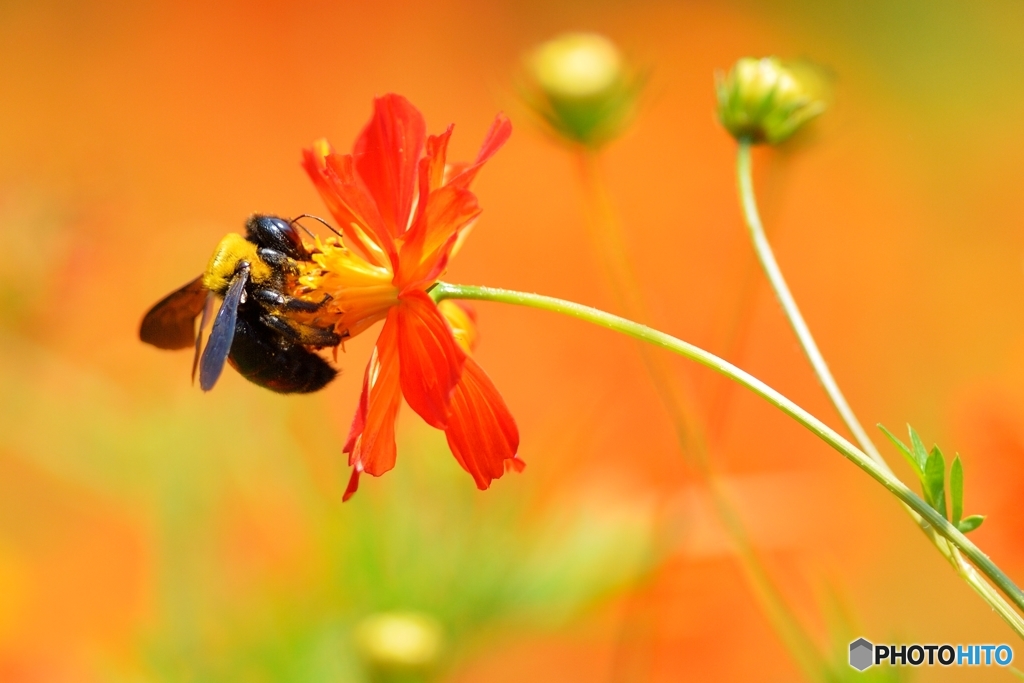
<point x="399" y="646"/>
<point x="581" y="86"/>
<point x="767" y="100"/>
<point x="577" y="65"/>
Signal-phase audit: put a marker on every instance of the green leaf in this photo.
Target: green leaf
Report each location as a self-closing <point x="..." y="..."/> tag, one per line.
<point x="956" y="490"/>
<point x="934" y="474"/>
<point x="903" y="449"/>
<point x="969" y="524"/>
<point x="920" y="454"/>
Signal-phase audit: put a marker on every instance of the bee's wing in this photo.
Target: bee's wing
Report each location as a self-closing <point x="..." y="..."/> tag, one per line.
<point x="223" y="333"/>
<point x="170" y="324"/>
<point x="207" y="309"/>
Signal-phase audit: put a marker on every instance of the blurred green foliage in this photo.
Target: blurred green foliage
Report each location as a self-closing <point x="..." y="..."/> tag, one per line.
<point x="209" y="480"/>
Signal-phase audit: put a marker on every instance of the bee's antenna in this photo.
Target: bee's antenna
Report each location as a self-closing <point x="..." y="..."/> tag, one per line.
<point x="316" y="218"/>
<point x="304" y="228"/>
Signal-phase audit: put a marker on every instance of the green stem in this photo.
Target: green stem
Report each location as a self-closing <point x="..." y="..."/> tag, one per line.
<point x="789" y="307"/>
<point x="882" y="475"/>
<point x="765" y="255"/>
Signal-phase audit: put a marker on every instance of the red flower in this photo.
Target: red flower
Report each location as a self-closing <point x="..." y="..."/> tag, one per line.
<point x="403" y="212"/>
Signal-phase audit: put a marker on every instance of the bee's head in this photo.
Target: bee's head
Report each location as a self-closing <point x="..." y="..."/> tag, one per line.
<point x="271" y="232"/>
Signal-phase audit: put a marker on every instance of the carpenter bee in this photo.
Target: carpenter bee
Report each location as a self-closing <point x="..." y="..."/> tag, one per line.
<point x="252" y="329"/>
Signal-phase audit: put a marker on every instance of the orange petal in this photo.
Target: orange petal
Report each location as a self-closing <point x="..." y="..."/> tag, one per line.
<point x="348" y="201"/>
<point x="353" y="485"/>
<point x="432" y="169"/>
<point x="513" y="464"/>
<point x="481" y="431"/>
<point x="387" y="154"/>
<point x="371" y="441"/>
<point x="447" y="211"/>
<point x="496" y="137"/>
<point x="431" y="360"/>
<point x="433" y="163"/>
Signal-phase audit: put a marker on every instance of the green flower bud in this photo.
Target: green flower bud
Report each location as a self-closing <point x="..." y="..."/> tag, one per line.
<point x="767" y="100"/>
<point x="581" y="87"/>
<point x="399" y="646"/>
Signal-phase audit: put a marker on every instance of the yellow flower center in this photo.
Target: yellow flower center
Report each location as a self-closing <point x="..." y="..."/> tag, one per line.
<point x="361" y="293"/>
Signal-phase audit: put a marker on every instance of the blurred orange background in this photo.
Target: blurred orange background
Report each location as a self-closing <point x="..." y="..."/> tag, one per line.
<point x="149" y="532"/>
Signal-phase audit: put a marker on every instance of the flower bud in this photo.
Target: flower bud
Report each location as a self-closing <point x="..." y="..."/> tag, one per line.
<point x="767" y="100"/>
<point x="399" y="646"/>
<point x="581" y="86"/>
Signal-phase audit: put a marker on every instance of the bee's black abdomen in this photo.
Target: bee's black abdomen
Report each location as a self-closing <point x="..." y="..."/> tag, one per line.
<point x="274" y="362"/>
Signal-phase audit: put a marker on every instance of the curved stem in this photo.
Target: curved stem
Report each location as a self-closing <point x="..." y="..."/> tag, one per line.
<point x="881" y="475"/>
<point x="763" y="249"/>
<point x="789" y="307"/>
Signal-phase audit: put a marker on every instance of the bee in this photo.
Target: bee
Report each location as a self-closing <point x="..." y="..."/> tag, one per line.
<point x="252" y="329"/>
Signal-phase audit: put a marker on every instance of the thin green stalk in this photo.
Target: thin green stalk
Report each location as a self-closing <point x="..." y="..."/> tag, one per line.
<point x="765" y="255"/>
<point x="881" y="475"/>
<point x="607" y="235"/>
<point x="789" y="307"/>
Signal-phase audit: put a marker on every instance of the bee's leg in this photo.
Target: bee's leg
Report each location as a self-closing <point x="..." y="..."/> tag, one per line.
<point x="277" y="258"/>
<point x="301" y="333"/>
<point x="272" y="299"/>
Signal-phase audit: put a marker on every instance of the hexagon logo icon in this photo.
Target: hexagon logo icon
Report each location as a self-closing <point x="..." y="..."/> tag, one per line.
<point x="860" y="654"/>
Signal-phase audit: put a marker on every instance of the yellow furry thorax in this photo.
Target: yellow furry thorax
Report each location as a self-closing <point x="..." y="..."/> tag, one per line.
<point x="232" y="249"/>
